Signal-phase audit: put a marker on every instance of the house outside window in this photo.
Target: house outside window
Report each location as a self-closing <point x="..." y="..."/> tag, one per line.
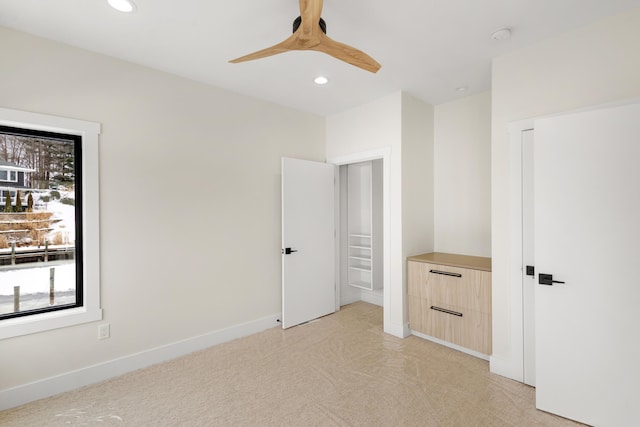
<point x="8" y="175"/>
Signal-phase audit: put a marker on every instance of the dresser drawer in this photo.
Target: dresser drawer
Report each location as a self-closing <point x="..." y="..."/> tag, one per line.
<point x="450" y="286"/>
<point x="449" y="298"/>
<point x="462" y="326"/>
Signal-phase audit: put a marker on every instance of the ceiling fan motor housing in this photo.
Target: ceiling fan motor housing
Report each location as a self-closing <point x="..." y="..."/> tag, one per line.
<point x="298" y="21"/>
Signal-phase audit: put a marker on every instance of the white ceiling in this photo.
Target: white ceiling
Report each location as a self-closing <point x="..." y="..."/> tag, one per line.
<point x="427" y="48"/>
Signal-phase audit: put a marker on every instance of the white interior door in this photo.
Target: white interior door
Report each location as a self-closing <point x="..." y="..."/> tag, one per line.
<point x="587" y="235"/>
<point x="308" y="233"/>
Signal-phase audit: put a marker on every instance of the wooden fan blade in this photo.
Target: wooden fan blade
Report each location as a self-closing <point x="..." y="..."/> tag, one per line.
<point x="284" y="46"/>
<point x="310" y="12"/>
<point x="309" y="36"/>
<point x="346" y="53"/>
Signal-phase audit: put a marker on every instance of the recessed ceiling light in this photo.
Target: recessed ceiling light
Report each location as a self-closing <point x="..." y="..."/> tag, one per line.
<point x="126" y="6"/>
<point x="462" y="88"/>
<point x="501" y="34"/>
<point x="321" y="80"/>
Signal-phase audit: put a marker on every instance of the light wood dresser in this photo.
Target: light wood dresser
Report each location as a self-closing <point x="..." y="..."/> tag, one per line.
<point x="450" y="299"/>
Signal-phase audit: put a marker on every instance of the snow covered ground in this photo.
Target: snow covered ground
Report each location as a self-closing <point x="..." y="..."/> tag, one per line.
<point x="66" y="213"/>
<point x="34" y="286"/>
<point x="35" y="280"/>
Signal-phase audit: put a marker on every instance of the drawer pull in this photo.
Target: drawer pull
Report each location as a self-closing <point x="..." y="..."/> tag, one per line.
<point x="445" y="273"/>
<point x="444" y="310"/>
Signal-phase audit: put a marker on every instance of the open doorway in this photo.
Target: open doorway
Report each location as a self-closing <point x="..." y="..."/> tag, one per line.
<point x="361" y="232"/>
<point x="346" y="294"/>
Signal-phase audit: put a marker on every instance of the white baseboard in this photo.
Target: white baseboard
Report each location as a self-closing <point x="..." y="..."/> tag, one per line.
<point x="372" y="297"/>
<point x="397" y="329"/>
<point x="451" y="345"/>
<point x="349" y="300"/>
<point x="507" y="368"/>
<point x="47" y="387"/>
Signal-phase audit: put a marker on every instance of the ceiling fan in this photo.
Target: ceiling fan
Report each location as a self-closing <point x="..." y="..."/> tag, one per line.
<point x="309" y="33"/>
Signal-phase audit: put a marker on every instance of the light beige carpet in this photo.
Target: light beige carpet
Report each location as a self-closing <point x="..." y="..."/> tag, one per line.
<point x="341" y="370"/>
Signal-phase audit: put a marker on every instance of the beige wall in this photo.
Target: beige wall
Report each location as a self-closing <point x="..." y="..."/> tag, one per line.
<point x="396" y="123"/>
<point x="462" y="168"/>
<point x="417" y="179"/>
<point x="378" y="126"/>
<point x="595" y="64"/>
<point x="184" y="167"/>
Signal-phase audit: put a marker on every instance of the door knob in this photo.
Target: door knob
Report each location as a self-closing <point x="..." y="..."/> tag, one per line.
<point x="547" y="279"/>
<point x="288" y="251"/>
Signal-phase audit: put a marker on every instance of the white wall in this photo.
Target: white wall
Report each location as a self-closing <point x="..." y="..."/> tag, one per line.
<point x="595" y="64"/>
<point x="378" y="126"/>
<point x="462" y="165"/>
<point x="184" y="167"/>
<point x="394" y="123"/>
<point x="417" y="180"/>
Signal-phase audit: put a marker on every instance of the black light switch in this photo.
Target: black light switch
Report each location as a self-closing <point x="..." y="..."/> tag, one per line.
<point x="531" y="271"/>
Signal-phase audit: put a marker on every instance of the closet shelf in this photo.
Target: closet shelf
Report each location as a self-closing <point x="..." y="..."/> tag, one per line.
<point x="363" y="234"/>
<point x="366" y="268"/>
<point x="360" y="247"/>
<point x="363" y="285"/>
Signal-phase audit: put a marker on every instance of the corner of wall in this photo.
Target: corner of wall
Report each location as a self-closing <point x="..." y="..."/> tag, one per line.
<point x="417" y="176"/>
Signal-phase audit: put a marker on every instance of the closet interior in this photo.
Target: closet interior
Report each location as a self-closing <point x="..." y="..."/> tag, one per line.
<point x="361" y="245"/>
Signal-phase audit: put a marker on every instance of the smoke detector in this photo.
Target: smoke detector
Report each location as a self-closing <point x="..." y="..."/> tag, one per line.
<point x="501" y="34"/>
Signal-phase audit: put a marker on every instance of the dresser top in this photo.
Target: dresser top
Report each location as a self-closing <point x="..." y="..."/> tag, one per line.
<point x="454" y="260"/>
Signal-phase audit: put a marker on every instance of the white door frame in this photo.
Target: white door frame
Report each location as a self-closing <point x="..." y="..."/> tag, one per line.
<point x="514" y="367"/>
<point x="385" y="155"/>
<point x="528" y="259"/>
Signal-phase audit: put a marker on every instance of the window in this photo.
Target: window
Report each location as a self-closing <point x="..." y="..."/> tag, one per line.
<point x="41" y="237"/>
<point x="8" y="176"/>
<point x="49" y="247"/>
<point x="3" y="194"/>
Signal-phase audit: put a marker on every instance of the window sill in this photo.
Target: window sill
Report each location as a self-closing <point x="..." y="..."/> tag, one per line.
<point x="18" y="326"/>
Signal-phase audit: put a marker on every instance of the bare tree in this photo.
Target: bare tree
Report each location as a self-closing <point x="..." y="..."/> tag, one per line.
<point x="52" y="160"/>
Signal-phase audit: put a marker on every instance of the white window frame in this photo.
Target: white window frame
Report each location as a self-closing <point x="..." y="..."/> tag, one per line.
<point x="91" y="310"/>
<point x="9" y="172"/>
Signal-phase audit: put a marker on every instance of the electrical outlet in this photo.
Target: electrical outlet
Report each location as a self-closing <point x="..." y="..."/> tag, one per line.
<point x="103" y="331"/>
